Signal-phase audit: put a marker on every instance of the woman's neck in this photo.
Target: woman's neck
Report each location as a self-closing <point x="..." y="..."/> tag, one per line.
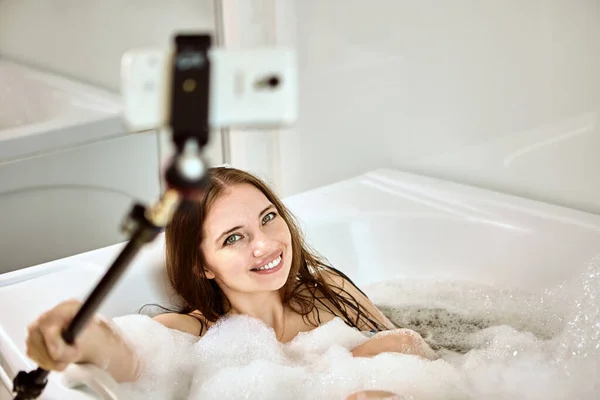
<point x="266" y="306"/>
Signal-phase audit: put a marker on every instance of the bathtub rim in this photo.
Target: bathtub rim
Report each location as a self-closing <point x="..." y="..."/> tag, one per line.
<point x="103" y="256"/>
<point x="100" y="119"/>
<point x="63" y="82"/>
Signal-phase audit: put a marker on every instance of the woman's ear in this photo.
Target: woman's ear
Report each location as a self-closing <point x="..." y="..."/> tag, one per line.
<point x="208" y="274"/>
<point x="203" y="272"/>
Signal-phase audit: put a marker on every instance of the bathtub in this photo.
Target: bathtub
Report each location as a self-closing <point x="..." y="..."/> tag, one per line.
<point x="63" y="143"/>
<point x="382" y="225"/>
<point x="39" y="110"/>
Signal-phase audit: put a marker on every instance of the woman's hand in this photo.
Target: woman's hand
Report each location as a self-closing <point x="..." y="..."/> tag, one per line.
<point x="46" y="346"/>
<point x="403" y="341"/>
<point x="372" y="395"/>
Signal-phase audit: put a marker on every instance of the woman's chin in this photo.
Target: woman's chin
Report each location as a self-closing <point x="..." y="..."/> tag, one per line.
<point x="280" y="280"/>
<point x="273" y="281"/>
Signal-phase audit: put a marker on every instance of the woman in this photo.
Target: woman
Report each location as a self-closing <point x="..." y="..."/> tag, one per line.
<point x="236" y="250"/>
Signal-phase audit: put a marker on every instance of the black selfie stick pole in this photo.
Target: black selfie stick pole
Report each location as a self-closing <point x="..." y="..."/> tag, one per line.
<point x="186" y="176"/>
<point x="29" y="385"/>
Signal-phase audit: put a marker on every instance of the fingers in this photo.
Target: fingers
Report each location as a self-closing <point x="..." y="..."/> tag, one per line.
<point x="56" y="346"/>
<point x="373" y="394"/>
<point x="403" y="341"/>
<point x="410" y="342"/>
<point x="37" y="351"/>
<point x="44" y="343"/>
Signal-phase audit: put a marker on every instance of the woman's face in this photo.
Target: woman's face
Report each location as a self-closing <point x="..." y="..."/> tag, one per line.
<point x="247" y="245"/>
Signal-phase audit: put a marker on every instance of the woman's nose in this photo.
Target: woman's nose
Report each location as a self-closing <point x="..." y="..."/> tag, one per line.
<point x="262" y="245"/>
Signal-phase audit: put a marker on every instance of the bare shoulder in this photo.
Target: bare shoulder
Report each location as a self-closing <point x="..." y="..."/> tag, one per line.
<point x="342" y="284"/>
<point x="181" y="322"/>
<point x="340" y="281"/>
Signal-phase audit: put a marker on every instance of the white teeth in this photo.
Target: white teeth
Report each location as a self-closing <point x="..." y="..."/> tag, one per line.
<point x="270" y="265"/>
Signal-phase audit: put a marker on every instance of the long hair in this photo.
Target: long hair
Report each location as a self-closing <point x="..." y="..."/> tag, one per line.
<point x="305" y="288"/>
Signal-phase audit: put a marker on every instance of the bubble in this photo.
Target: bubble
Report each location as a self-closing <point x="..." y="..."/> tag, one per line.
<point x="508" y="344"/>
<point x="494" y="344"/>
<point x="164" y="353"/>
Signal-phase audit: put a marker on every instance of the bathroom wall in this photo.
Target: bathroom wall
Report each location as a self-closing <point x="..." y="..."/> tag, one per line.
<point x="503" y="95"/>
<point x="247" y="25"/>
<point x="82" y="208"/>
<point x="85" y="39"/>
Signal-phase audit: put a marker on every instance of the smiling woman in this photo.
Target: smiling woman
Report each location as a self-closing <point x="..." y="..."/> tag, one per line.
<point x="238" y="250"/>
<point x="235" y="250"/>
<point x="242" y="259"/>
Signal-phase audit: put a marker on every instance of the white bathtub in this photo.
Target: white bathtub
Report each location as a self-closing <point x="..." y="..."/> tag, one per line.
<point x="37" y="108"/>
<point x="375" y="227"/>
<point x="68" y="169"/>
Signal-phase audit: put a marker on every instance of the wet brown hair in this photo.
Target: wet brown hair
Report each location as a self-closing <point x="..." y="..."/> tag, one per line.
<point x="306" y="290"/>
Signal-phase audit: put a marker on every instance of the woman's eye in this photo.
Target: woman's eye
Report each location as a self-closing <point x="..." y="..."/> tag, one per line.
<point x="231" y="239"/>
<point x="268" y="217"/>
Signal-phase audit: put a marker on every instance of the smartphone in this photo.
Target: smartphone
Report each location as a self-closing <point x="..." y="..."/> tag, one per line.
<point x="255" y="88"/>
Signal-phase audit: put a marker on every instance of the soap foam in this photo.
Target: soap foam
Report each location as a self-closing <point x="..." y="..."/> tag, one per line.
<point x="166" y="365"/>
<point x="507" y="344"/>
<point x="241" y="359"/>
<point x="493" y="344"/>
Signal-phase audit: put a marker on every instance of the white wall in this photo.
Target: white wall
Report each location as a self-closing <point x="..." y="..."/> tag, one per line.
<point x="85" y="39"/>
<point x="500" y="94"/>
<point x="251" y="24"/>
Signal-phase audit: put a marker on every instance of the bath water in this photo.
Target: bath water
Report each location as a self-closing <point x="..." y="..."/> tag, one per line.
<point x="494" y="344"/>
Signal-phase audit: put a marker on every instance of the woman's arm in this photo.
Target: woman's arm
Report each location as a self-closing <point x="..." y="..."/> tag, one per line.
<point x="393" y="339"/>
<point x="106" y="349"/>
<point x="98" y="344"/>
<point x="403" y="341"/>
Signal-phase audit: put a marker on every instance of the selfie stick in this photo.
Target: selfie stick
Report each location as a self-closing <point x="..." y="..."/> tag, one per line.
<point x="186" y="175"/>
